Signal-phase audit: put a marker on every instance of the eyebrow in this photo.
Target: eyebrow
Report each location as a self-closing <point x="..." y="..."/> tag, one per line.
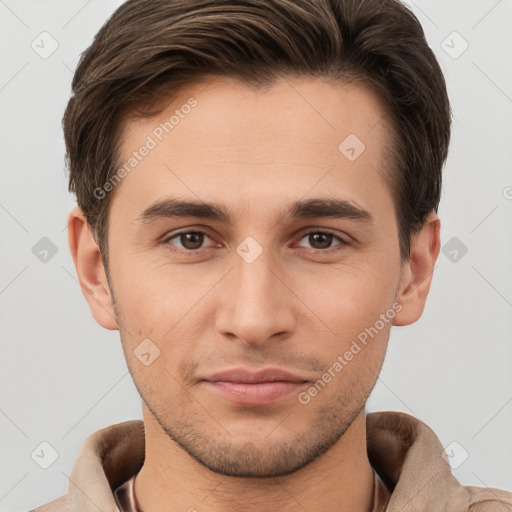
<point x="305" y="209"/>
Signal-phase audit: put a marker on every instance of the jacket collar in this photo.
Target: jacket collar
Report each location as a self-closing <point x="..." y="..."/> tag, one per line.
<point x="408" y="457"/>
<point x="405" y="452"/>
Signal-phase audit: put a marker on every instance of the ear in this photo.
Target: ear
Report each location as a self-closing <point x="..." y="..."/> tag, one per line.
<point x="418" y="271"/>
<point x="90" y="270"/>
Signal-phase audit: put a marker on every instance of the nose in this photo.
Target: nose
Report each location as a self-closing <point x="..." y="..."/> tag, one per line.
<point x="256" y="303"/>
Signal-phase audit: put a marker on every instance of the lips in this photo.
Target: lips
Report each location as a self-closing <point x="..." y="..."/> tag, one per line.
<point x="254" y="388"/>
<point x="265" y="375"/>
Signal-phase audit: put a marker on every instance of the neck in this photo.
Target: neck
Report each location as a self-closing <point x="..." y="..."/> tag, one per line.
<point x="339" y="480"/>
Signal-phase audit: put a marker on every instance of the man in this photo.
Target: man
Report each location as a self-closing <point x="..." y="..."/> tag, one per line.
<point x="257" y="187"/>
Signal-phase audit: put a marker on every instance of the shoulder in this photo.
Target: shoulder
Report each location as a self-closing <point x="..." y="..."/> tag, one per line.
<point x="489" y="499"/>
<point x="62" y="504"/>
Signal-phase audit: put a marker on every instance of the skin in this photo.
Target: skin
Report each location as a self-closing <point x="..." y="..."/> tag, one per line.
<point x="295" y="307"/>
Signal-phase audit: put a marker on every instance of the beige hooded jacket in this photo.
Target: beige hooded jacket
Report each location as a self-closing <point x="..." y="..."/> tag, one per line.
<point x="404" y="452"/>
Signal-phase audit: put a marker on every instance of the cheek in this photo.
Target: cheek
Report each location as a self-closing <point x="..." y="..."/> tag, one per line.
<point x="356" y="314"/>
<point x="166" y="310"/>
<point x="159" y="300"/>
<point x="348" y="299"/>
<point x="150" y="291"/>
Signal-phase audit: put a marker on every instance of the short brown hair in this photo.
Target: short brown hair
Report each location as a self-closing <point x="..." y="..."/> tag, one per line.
<point x="149" y="49"/>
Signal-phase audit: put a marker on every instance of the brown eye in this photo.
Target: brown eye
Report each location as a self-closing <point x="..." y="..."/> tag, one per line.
<point x="322" y="240"/>
<point x="188" y="240"/>
<point x="192" y="240"/>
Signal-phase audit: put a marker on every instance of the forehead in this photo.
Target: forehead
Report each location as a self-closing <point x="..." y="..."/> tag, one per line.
<point x="221" y="138"/>
<point x="225" y="108"/>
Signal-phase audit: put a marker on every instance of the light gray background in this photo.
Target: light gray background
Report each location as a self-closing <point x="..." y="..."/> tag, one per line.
<point x="63" y="377"/>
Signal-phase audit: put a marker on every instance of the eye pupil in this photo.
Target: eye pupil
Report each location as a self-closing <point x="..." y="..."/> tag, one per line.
<point x="194" y="237"/>
<point x="319" y="237"/>
<point x="192" y="241"/>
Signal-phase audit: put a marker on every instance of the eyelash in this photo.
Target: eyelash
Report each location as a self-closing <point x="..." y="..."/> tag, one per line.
<point x="196" y="252"/>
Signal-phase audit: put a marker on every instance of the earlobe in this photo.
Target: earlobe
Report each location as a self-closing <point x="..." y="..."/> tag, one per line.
<point x="418" y="272"/>
<point x="90" y="269"/>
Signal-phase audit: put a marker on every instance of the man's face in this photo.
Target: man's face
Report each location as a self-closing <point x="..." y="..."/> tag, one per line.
<point x="264" y="288"/>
